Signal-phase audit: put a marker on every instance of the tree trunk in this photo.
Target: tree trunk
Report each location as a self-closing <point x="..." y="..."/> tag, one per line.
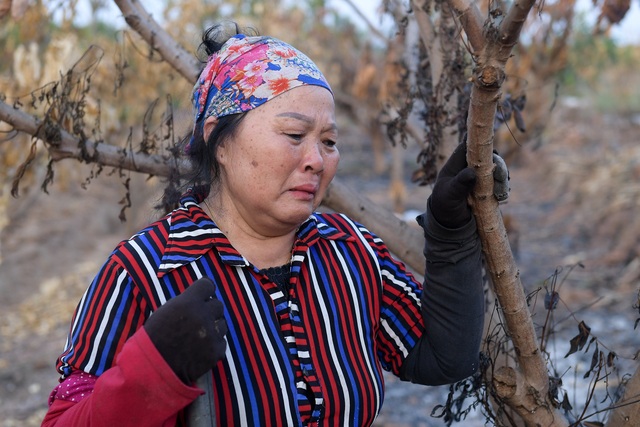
<point x="626" y="412"/>
<point x="523" y="388"/>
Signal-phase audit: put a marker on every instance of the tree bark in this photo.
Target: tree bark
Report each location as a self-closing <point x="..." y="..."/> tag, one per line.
<point x="524" y="388"/>
<point x="62" y="145"/>
<point x="626" y="411"/>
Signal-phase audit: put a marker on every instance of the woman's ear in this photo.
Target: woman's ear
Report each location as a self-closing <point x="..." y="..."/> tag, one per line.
<point x="208" y="126"/>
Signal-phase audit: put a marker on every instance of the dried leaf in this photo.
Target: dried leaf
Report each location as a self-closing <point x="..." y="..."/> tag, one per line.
<point x="438" y="411"/>
<point x="565" y="403"/>
<point x="520" y="102"/>
<point x="610" y="358"/>
<point x="578" y="342"/>
<point x="22" y="169"/>
<point x="519" y="121"/>
<point x="551" y="300"/>
<point x="594" y="361"/>
<point x="554" y="386"/>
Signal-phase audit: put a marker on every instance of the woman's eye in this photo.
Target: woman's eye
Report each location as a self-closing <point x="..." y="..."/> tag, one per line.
<point x="330" y="143"/>
<point x="295" y="136"/>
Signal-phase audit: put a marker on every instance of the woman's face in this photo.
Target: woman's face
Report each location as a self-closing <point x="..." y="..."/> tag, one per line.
<point x="277" y="167"/>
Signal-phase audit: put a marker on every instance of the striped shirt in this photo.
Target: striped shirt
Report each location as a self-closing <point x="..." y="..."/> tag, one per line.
<point x="313" y="356"/>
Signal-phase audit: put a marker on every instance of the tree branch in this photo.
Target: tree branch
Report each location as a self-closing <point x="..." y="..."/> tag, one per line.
<point x="148" y="28"/>
<point x="525" y="390"/>
<point x="372" y="29"/>
<point x="512" y="24"/>
<point x="401" y="239"/>
<point x="626" y="411"/>
<point x="471" y="20"/>
<point x="69" y="146"/>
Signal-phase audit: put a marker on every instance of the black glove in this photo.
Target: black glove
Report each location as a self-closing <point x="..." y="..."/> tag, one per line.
<point x="455" y="181"/>
<point x="189" y="330"/>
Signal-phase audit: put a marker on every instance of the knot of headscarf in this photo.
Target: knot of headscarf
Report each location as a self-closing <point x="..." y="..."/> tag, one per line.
<point x="247" y="72"/>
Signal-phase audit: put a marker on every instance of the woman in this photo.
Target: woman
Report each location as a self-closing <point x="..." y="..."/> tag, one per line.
<point x="294" y="313"/>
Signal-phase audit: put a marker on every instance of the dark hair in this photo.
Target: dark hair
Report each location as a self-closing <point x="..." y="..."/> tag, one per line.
<point x="215" y="36"/>
<point x="204" y="169"/>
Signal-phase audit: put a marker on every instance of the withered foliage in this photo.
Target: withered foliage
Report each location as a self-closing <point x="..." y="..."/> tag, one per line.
<point x="72" y="105"/>
<point x="63" y="104"/>
<point x="606" y="383"/>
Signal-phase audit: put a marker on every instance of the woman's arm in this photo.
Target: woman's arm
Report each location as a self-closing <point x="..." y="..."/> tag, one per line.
<point x="140" y="389"/>
<point x="136" y="365"/>
<point x="452" y="298"/>
<point x="452" y="306"/>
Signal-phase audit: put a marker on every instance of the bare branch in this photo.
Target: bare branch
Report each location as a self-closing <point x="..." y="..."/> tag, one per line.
<point x="525" y="390"/>
<point x="149" y="29"/>
<point x="471" y="20"/>
<point x="68" y="146"/>
<point x="372" y="29"/>
<point x="512" y="24"/>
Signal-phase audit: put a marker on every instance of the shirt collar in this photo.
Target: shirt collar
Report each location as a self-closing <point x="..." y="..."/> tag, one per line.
<point x="192" y="233"/>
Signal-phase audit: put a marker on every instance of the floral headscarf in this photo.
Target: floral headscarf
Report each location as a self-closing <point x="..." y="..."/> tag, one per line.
<point x="247" y="72"/>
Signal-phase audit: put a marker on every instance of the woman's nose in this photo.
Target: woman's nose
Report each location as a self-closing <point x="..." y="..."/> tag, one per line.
<point x="313" y="159"/>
